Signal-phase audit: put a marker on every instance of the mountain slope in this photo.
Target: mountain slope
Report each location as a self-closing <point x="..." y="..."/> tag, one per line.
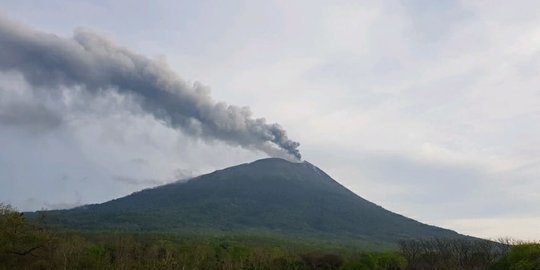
<point x="271" y="195"/>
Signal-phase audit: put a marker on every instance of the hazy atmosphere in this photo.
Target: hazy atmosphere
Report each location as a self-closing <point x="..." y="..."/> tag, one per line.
<point x="430" y="109"/>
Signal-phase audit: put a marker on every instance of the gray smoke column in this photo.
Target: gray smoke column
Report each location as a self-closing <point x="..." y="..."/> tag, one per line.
<point x="94" y="63"/>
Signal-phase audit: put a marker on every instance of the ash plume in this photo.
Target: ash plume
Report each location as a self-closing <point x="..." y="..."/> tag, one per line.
<point x="94" y="63"/>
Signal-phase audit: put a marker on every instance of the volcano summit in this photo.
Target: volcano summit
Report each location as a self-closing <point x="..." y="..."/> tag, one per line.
<point x="269" y="195"/>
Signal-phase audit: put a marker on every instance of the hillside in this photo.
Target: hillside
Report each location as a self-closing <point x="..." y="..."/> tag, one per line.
<point x="268" y="195"/>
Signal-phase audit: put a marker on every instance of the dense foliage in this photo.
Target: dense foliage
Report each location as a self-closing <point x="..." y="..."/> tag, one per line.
<point x="524" y="256"/>
<point x="25" y="245"/>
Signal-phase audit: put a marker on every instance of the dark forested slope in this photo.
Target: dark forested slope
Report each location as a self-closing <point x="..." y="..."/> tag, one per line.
<point x="271" y="195"/>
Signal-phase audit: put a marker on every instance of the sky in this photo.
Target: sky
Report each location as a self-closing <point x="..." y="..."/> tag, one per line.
<point x="430" y="109"/>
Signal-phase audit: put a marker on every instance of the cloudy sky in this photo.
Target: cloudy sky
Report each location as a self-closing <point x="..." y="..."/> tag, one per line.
<point x="428" y="108"/>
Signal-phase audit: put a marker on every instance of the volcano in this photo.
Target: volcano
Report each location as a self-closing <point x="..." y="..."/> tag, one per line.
<point x="269" y="195"/>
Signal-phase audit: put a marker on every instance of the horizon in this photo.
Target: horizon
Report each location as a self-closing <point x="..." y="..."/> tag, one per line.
<point x="427" y="109"/>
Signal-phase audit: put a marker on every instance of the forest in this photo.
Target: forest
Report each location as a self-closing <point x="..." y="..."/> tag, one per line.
<point x="26" y="244"/>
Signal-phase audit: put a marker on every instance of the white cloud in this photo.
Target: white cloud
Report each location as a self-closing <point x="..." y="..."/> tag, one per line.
<point x="519" y="228"/>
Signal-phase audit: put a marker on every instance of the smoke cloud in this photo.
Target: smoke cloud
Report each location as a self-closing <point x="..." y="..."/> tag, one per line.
<point x="94" y="63"/>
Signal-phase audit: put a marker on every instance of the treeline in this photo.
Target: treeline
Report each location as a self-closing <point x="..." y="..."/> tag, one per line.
<point x="452" y="253"/>
<point x="25" y="245"/>
<point x="31" y="245"/>
<point x="467" y="254"/>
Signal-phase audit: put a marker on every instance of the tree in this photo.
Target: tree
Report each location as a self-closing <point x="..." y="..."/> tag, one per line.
<point x="20" y="242"/>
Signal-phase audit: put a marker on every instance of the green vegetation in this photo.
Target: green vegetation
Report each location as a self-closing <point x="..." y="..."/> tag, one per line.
<point x="29" y="245"/>
<point x="522" y="256"/>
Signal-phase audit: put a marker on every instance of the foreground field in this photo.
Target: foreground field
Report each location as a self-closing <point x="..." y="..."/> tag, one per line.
<point x="25" y="245"/>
